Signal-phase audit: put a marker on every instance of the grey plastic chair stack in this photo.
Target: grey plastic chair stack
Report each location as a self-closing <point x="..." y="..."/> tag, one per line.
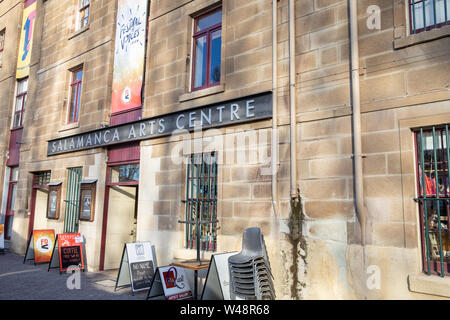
<point x="250" y="274"/>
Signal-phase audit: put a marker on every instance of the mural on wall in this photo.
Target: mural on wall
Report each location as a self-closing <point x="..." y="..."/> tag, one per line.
<point x="26" y="39"/>
<point x="129" y="55"/>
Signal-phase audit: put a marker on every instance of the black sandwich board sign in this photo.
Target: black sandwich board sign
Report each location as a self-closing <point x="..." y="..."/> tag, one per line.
<point x="69" y="253"/>
<point x="171" y="283"/>
<point x="217" y="284"/>
<point x="137" y="266"/>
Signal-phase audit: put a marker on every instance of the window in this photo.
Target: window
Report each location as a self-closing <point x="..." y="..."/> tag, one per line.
<point x="11" y="200"/>
<point x="87" y="206"/>
<point x="207" y="41"/>
<point x="21" y="99"/>
<point x="72" y="201"/>
<point x="201" y="201"/>
<point x="2" y="46"/>
<point x="75" y="95"/>
<point x="428" y="14"/>
<point x="54" y="200"/>
<point x="126" y="173"/>
<point x="433" y="175"/>
<point x="83" y="13"/>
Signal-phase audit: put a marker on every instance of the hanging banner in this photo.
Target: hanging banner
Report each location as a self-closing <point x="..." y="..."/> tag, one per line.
<point x="129" y="55"/>
<point x="137" y="267"/>
<point x="2" y="237"/>
<point x="26" y="39"/>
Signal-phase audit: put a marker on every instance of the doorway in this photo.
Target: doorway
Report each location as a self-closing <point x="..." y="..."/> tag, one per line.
<point x="120" y="213"/>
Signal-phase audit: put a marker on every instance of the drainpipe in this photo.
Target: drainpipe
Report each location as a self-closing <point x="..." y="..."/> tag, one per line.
<point x="361" y="210"/>
<point x="274" y="109"/>
<point x="293" y="113"/>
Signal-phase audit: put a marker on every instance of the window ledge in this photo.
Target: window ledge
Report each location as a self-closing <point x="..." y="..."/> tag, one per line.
<point x="422" y="37"/>
<point x="201" y="93"/>
<point x="78" y="32"/>
<point x="69" y="126"/>
<point x="433" y="285"/>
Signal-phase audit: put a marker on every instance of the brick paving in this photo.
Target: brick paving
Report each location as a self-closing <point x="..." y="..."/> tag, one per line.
<point x="33" y="282"/>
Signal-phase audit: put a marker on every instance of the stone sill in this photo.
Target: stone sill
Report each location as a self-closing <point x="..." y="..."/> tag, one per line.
<point x="425" y="36"/>
<point x="201" y="93"/>
<point x="69" y="126"/>
<point x="78" y="32"/>
<point x="433" y="285"/>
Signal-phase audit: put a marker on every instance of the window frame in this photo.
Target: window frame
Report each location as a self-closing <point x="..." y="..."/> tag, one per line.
<point x="432" y="265"/>
<point x="79" y="86"/>
<point x="412" y="19"/>
<point x="2" y="45"/>
<point x="57" y="189"/>
<point x="80" y="9"/>
<point x="22" y="109"/>
<point x="198" y="34"/>
<point x="92" y="187"/>
<point x="199" y="204"/>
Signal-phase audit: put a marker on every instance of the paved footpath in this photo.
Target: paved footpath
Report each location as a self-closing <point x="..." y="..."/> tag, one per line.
<point x="30" y="282"/>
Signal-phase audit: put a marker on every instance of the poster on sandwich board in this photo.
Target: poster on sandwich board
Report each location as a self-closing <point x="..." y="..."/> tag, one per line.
<point x="171" y="283"/>
<point x="2" y="238"/>
<point x="69" y="252"/>
<point x="217" y="283"/>
<point x="40" y="246"/>
<point x="137" y="266"/>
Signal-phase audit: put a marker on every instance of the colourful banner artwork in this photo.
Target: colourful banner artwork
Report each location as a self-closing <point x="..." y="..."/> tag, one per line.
<point x="129" y="55"/>
<point x="43" y="245"/>
<point x="26" y="40"/>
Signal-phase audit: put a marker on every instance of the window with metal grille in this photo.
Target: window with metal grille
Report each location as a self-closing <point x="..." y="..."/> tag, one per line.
<point x="41" y="179"/>
<point x="201" y="201"/>
<point x="433" y="176"/>
<point x="75" y="95"/>
<point x="428" y="14"/>
<point x="72" y="201"/>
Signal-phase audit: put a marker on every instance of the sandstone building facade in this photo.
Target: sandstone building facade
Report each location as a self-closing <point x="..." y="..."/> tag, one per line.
<point x="319" y="130"/>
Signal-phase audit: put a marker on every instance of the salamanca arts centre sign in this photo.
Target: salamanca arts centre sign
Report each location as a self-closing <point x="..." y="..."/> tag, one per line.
<point x="242" y="110"/>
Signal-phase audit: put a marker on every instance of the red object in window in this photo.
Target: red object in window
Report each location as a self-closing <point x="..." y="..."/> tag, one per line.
<point x="206" y="55"/>
<point x="430" y="186"/>
<point x="75" y="94"/>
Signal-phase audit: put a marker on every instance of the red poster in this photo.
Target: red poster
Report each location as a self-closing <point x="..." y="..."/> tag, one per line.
<point x="70" y="246"/>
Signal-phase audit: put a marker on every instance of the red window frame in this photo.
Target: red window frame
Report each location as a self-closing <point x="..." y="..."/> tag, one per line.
<point x="411" y="3"/>
<point x="77" y="84"/>
<point x="198" y="34"/>
<point x="9" y="212"/>
<point x="20" y="112"/>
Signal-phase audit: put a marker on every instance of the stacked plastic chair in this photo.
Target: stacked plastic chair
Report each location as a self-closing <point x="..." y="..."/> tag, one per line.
<point x="250" y="274"/>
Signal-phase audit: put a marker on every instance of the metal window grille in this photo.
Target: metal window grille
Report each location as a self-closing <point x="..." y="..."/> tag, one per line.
<point x="428" y="14"/>
<point x="72" y="200"/>
<point x="433" y="169"/>
<point x="42" y="178"/>
<point x="201" y="201"/>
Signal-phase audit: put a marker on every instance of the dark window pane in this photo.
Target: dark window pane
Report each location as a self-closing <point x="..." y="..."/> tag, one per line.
<point x="73" y="104"/>
<point x="209" y="20"/>
<point x="125" y="173"/>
